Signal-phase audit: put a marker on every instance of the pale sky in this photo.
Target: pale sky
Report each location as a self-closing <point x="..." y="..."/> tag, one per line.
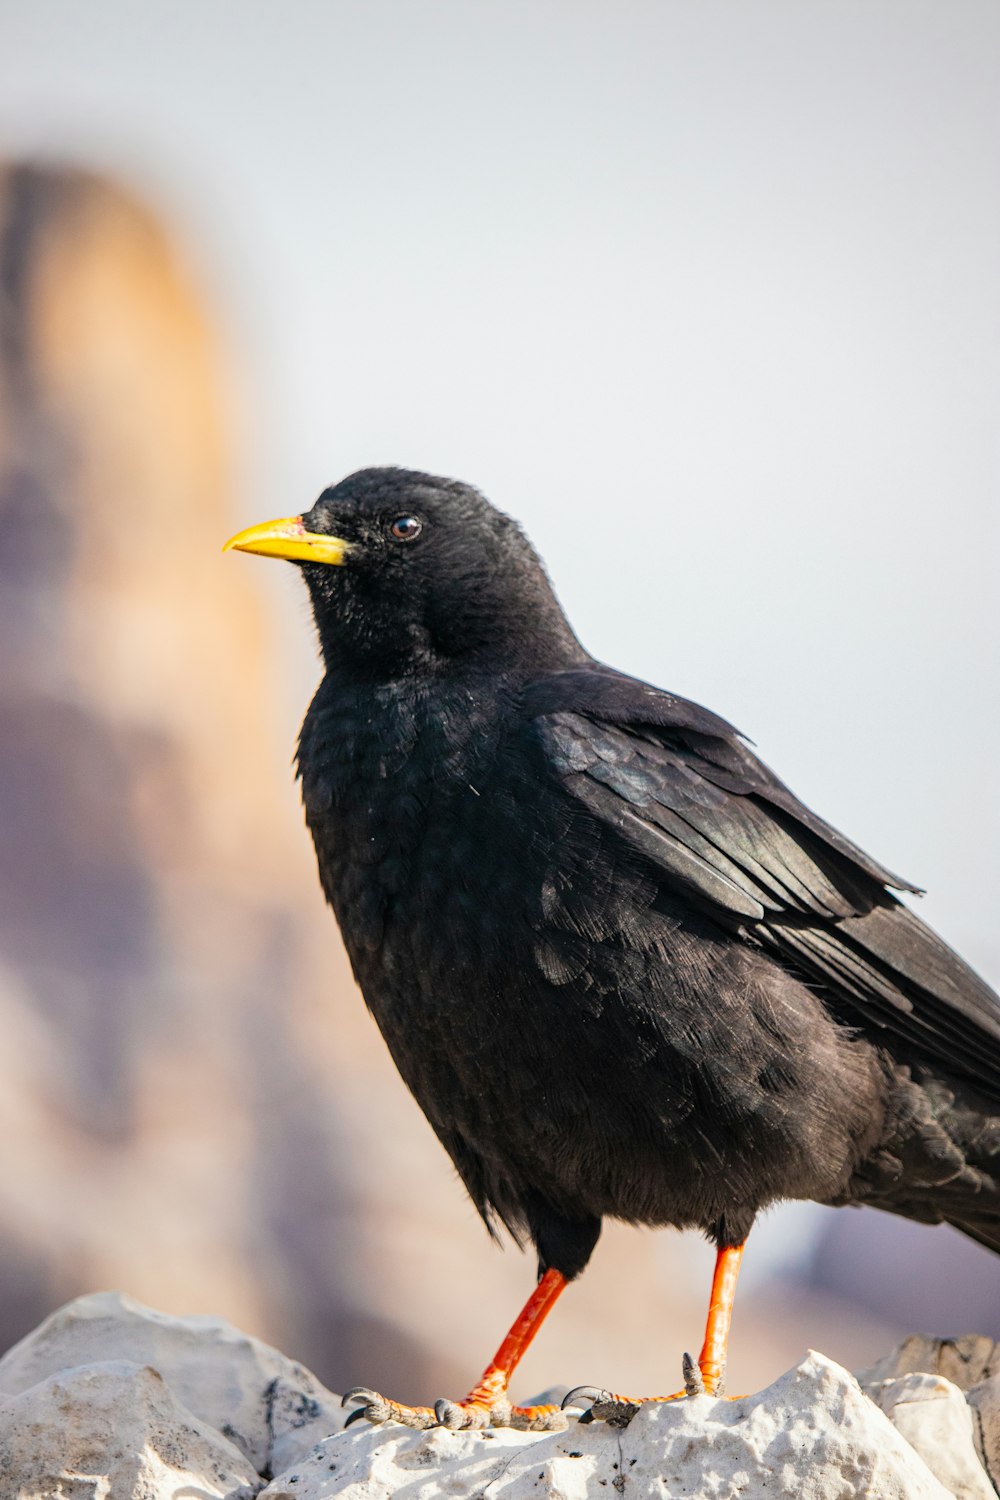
<point x="705" y="292"/>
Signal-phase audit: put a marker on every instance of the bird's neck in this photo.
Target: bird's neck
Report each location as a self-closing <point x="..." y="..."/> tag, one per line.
<point x="511" y="650"/>
<point x="509" y="624"/>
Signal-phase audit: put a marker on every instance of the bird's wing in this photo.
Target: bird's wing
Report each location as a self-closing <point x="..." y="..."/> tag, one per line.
<point x="687" y="795"/>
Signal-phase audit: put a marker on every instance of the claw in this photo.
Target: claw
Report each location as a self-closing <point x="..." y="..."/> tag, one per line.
<point x="457" y="1416"/>
<point x="376" y="1409"/>
<point x="694" y="1383"/>
<point x="618" y="1411"/>
<point x="448" y="1414"/>
<point x="697" y="1383"/>
<point x="373" y="1408"/>
<point x="359" y="1393"/>
<point x="584" y="1393"/>
<point x="453" y="1415"/>
<point x="604" y="1406"/>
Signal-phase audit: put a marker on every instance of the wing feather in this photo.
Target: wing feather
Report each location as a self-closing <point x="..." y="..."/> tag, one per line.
<point x="687" y="795"/>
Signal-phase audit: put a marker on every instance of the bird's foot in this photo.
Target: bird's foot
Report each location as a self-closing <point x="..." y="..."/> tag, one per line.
<point x="487" y="1404"/>
<point x="481" y="1408"/>
<point x="502" y="1413"/>
<point x="618" y="1411"/>
<point x="375" y="1408"/>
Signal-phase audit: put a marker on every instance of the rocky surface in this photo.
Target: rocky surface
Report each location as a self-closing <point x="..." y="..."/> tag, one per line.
<point x="115" y="1430"/>
<point x="110" y="1399"/>
<point x="811" y="1434"/>
<point x="254" y="1400"/>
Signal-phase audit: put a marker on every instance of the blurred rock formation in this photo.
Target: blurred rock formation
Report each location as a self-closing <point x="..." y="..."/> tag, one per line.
<point x="152" y="990"/>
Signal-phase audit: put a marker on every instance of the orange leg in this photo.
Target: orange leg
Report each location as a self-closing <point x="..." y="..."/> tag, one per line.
<point x="487" y="1403"/>
<point x="712" y="1359"/>
<point x="706" y="1376"/>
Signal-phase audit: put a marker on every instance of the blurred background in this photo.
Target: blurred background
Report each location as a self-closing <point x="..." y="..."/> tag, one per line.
<point x="705" y="292"/>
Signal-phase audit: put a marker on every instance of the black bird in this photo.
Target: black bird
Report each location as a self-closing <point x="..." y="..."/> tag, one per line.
<point x="620" y="966"/>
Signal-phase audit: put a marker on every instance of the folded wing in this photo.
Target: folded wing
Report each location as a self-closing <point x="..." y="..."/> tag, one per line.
<point x="681" y="788"/>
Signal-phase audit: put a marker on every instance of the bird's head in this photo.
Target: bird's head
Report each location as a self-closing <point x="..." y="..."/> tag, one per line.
<point x="411" y="573"/>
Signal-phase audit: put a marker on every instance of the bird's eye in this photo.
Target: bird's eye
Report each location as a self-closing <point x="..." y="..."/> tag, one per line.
<point x="406" y="528"/>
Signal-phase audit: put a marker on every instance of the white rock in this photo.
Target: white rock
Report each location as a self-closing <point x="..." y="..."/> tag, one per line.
<point x="965" y="1361"/>
<point x="109" y="1400"/>
<point x="972" y="1363"/>
<point x="812" y="1435"/>
<point x="114" y="1432"/>
<point x="984" y="1406"/>
<point x="932" y="1415"/>
<point x="272" y="1408"/>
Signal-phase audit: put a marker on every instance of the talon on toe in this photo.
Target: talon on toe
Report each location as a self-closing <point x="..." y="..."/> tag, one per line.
<point x="359" y="1393"/>
<point x="580" y="1393"/>
<point x="694" y="1383"/>
<point x="374" y="1408"/>
<point x="450" y="1414"/>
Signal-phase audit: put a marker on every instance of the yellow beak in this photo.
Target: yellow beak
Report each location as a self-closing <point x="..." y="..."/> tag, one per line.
<point x="289" y="538"/>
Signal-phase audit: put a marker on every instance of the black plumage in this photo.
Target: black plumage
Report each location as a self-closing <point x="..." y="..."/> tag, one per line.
<point x="620" y="966"/>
